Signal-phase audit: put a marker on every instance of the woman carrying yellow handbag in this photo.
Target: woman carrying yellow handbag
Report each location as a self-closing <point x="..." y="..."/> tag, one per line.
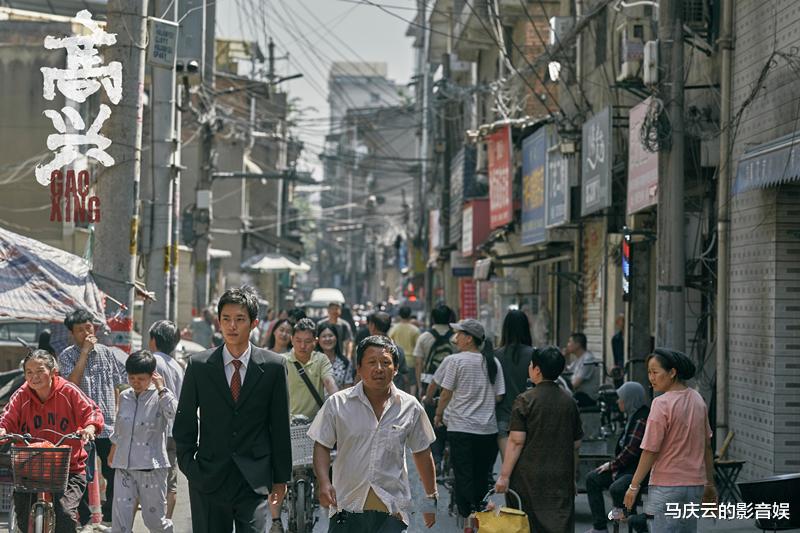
<point x="503" y="519"/>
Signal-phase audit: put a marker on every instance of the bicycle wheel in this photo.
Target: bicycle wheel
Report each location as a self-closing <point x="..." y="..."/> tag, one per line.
<point x="301" y="508"/>
<point x="12" y="517"/>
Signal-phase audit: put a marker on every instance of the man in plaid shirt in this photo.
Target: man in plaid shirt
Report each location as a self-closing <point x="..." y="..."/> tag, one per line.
<point x="93" y="367"/>
<point x="616" y="475"/>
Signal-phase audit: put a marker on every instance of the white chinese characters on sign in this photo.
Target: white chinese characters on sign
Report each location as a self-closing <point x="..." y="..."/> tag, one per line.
<point x="85" y="75"/>
<point x="597" y="146"/>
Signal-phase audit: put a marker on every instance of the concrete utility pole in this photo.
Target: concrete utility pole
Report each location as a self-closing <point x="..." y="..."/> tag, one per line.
<point x="203" y="214"/>
<point x="118" y="186"/>
<point x="670" y="294"/>
<point x="158" y="277"/>
<point x="174" y="278"/>
<point x="723" y="222"/>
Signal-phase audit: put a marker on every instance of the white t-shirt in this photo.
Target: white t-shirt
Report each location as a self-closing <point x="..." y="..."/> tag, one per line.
<point x="472" y="407"/>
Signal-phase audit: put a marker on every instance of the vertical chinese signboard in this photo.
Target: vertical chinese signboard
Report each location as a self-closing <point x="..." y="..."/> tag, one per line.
<point x="556" y="189"/>
<point x="534" y="162"/>
<point x="642" y="165"/>
<point x="596" y="153"/>
<point x="501" y="207"/>
<point x="468" y="296"/>
<point x="462" y="187"/>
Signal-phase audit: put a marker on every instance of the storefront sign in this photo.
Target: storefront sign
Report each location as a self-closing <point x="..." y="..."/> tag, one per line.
<point x="501" y="207"/>
<point x="642" y="165"/>
<point x="468" y="296"/>
<point x="462" y="187"/>
<point x="556" y="189"/>
<point x="534" y="163"/>
<point x="597" y="156"/>
<point x="461" y="267"/>
<point x="466" y="237"/>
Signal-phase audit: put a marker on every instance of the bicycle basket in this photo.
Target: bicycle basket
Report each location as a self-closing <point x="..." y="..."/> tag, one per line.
<point x="302" y="445"/>
<point x="40" y="469"/>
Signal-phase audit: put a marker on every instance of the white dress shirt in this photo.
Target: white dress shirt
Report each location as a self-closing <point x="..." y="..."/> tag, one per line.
<point x="371" y="453"/>
<point x="227" y="361"/>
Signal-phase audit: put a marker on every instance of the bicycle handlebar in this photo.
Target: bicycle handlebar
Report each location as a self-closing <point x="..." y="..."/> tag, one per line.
<point x="27" y="438"/>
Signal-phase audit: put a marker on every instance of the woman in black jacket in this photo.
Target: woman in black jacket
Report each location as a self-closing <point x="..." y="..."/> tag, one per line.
<point x="616" y="475"/>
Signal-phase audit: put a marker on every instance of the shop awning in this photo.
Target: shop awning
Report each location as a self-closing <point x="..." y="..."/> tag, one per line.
<point x="270" y="262"/>
<point x="769" y="164"/>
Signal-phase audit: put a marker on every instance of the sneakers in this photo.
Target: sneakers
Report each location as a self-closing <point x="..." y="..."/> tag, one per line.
<point x="277" y="526"/>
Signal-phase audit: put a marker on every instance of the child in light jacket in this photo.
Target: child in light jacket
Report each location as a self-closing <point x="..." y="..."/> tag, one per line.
<point x="144" y="414"/>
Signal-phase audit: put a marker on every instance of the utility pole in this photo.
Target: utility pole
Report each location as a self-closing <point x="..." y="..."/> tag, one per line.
<point x="203" y="214"/>
<point x="163" y="109"/>
<point x="670" y="294"/>
<point x="118" y="187"/>
<point x="174" y="277"/>
<point x="723" y="223"/>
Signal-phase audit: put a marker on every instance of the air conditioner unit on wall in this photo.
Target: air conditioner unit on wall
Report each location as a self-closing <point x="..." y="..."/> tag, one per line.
<point x="630" y="37"/>
<point x="650" y="67"/>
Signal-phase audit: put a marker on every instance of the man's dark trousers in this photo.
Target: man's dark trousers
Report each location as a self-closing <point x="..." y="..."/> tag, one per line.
<point x="596" y="483"/>
<point x="233" y="503"/>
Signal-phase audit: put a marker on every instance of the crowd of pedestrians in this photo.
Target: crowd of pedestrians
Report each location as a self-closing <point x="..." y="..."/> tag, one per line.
<point x="224" y="421"/>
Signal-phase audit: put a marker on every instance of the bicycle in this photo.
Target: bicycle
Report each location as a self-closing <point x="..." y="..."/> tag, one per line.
<point x="300" y="489"/>
<point x="41" y="471"/>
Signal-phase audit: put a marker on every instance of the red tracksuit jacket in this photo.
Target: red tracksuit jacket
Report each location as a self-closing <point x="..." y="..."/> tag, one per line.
<point x="66" y="410"/>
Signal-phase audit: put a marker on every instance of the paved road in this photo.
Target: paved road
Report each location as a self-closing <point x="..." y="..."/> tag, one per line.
<point x="445" y="523"/>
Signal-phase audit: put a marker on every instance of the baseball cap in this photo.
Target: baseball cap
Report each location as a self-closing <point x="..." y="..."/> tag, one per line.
<point x="471" y="326"/>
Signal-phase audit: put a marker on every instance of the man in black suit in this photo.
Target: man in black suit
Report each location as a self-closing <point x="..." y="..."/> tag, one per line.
<point x="242" y="458"/>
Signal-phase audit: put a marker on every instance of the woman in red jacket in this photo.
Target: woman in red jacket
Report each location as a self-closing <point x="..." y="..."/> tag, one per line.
<point x="45" y="406"/>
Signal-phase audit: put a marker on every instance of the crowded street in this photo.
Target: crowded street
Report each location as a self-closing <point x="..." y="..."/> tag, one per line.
<point x="386" y="266"/>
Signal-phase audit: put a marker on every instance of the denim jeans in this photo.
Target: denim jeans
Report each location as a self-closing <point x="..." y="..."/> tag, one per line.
<point x="657" y="499"/>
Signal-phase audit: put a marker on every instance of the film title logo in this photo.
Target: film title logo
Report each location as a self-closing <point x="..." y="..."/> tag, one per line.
<point x="70" y="200"/>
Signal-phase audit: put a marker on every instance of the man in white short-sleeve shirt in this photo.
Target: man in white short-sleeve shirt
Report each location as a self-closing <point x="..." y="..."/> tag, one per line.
<point x="371" y="424"/>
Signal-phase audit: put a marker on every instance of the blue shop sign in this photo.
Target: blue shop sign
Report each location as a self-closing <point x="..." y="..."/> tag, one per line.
<point x="534" y="161"/>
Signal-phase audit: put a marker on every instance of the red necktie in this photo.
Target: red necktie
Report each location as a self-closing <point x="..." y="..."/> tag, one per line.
<point x="236" y="379"/>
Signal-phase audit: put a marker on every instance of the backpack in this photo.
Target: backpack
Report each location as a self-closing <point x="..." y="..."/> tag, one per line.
<point x="440" y="349"/>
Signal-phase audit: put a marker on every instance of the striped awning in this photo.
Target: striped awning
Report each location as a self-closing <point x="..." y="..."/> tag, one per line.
<point x="769" y="164"/>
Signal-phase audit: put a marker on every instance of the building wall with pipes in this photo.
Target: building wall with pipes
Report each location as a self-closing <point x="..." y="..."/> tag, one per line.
<point x="763" y="351"/>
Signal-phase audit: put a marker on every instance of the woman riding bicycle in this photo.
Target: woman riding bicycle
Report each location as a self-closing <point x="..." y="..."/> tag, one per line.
<point x="48" y="406"/>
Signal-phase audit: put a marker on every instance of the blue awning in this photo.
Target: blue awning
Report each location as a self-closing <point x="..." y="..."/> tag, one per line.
<point x="769" y="164"/>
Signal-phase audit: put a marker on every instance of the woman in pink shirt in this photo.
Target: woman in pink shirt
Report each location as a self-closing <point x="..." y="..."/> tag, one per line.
<point x="676" y="446"/>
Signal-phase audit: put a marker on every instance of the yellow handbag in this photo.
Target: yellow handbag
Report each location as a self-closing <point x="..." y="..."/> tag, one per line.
<point x="504" y="519"/>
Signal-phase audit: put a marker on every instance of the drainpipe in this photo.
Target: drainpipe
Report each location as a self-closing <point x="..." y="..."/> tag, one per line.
<point x="723" y="222"/>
